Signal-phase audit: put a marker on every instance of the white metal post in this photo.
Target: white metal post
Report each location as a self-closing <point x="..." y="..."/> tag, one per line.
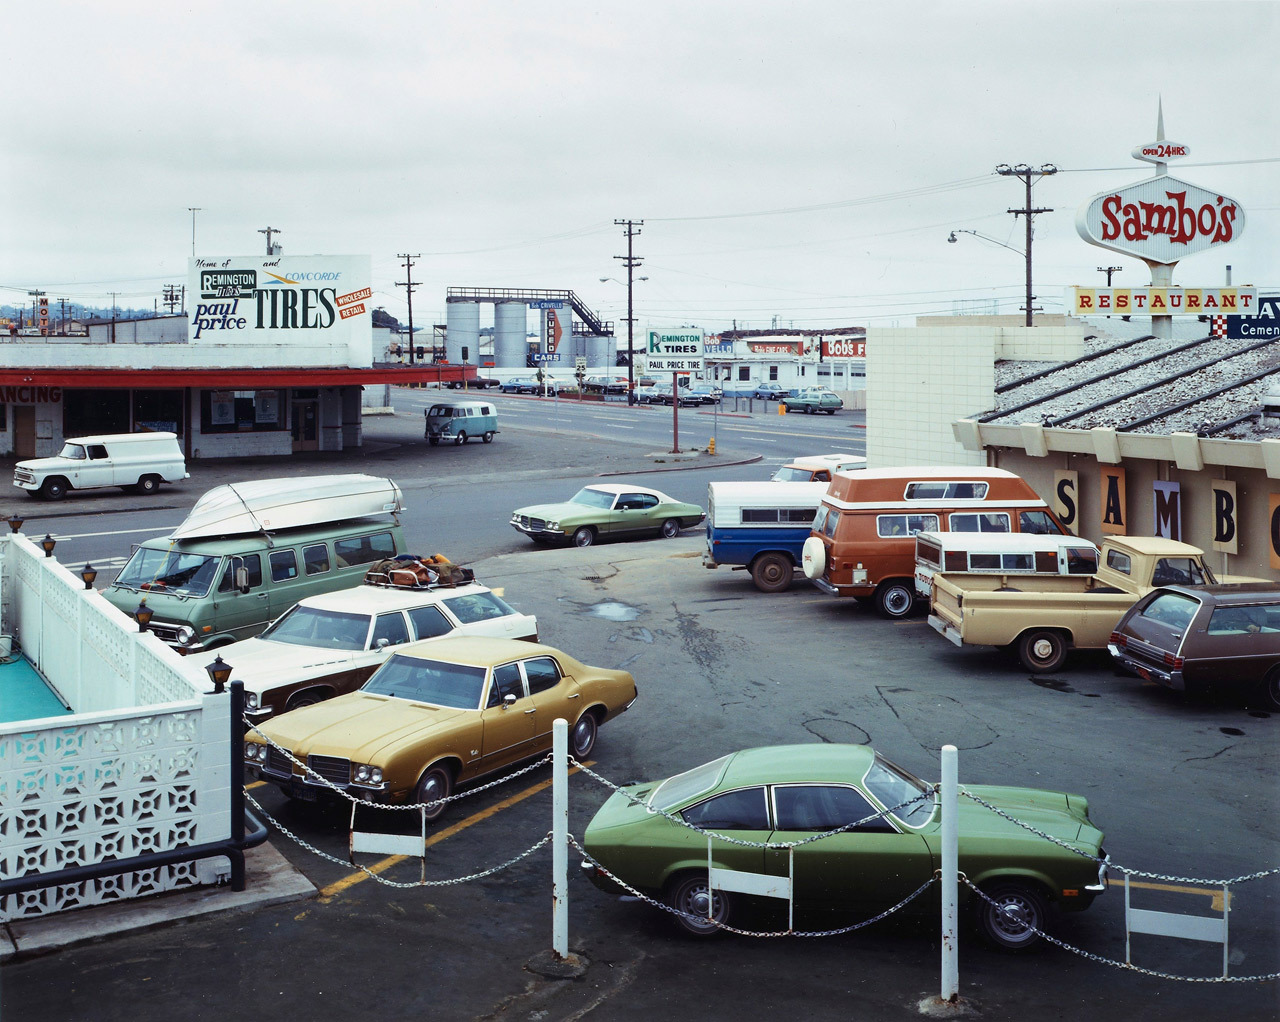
<point x="560" y="837"/>
<point x="950" y="863"/>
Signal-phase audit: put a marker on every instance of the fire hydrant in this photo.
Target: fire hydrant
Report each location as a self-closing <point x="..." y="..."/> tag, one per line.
<point x="782" y="409"/>
<point x="711" y="446"/>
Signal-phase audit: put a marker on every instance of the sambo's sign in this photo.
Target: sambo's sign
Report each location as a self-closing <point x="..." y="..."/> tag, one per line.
<point x="1161" y="220"/>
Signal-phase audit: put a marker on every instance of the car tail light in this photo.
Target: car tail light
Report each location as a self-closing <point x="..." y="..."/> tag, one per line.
<point x="1119" y="640"/>
<point x="1173" y="661"/>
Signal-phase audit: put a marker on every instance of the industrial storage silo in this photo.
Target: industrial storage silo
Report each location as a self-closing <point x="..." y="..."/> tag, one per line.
<point x="601" y="352"/>
<point x="510" y="346"/>
<point x="463" y="331"/>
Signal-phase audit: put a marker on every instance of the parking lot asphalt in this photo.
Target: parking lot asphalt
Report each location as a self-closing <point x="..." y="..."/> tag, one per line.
<point x="1183" y="788"/>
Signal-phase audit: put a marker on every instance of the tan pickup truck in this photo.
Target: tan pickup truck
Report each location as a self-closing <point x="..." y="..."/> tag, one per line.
<point x="1042" y="617"/>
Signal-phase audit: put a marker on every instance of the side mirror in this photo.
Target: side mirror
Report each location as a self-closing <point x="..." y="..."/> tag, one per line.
<point x="382" y="643"/>
<point x="242" y="579"/>
<point x="508" y="701"/>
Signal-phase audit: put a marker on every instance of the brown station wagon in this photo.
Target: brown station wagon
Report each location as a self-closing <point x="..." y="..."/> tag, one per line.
<point x="1193" y="638"/>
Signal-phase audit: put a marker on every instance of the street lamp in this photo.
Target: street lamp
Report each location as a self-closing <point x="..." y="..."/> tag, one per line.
<point x="1026" y="255"/>
<point x="631" y="356"/>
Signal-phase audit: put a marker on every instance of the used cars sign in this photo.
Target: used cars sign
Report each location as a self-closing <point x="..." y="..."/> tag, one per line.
<point x="1161" y="219"/>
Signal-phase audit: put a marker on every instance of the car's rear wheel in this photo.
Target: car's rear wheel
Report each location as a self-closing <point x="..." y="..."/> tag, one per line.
<point x="583" y="738"/>
<point x="671" y="528"/>
<point x="487" y="437"/>
<point x="1042" y="650"/>
<point x="435" y="784"/>
<point x="772" y="572"/>
<point x="691" y="896"/>
<point x="831" y="411"/>
<point x="148" y="485"/>
<point x="895" y="599"/>
<point x="1269" y="690"/>
<point x="1009" y="920"/>
<point x="584" y="536"/>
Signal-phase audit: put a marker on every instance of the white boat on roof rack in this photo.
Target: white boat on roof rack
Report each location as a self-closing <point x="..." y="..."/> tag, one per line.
<point x="267" y="505"/>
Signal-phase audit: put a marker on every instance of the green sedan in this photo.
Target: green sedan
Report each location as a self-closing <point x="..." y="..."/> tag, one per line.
<point x="788" y="793"/>
<point x="613" y="510"/>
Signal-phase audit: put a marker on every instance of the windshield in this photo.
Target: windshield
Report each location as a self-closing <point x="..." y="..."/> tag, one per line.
<point x="682" y="787"/>
<point x="330" y="629"/>
<point x="593" y="498"/>
<point x="73" y="451"/>
<point x="170" y="571"/>
<point x="792" y="475"/>
<point x="892" y="786"/>
<point x="429" y="681"/>
<point x="441" y="411"/>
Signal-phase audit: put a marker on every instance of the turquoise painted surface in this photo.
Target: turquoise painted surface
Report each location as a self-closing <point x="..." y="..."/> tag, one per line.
<point x="24" y="695"/>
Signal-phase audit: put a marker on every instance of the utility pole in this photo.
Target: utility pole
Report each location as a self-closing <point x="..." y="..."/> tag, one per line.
<point x="1027" y="175"/>
<point x="268" y="231"/>
<point x="63" y="302"/>
<point x="631" y="261"/>
<point x="35" y="297"/>
<point x="113" y="317"/>
<point x="193" y="210"/>
<point x="1108" y="270"/>
<point x="409" y="285"/>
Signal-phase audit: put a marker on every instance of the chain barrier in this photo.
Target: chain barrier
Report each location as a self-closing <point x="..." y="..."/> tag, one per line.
<point x="740" y="842"/>
<point x="395" y="883"/>
<point x="1127" y="966"/>
<point x="1107" y="861"/>
<point x="672" y="910"/>
<point x="505" y="778"/>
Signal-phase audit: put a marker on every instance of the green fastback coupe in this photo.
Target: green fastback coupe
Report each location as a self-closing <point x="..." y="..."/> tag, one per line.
<point x="788" y="793"/>
<point x="615" y="510"/>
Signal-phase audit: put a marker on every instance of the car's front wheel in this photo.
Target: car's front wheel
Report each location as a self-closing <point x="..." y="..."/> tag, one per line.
<point x="54" y="488"/>
<point x="432" y="787"/>
<point x="461" y="438"/>
<point x="1010" y="919"/>
<point x="584" y="536"/>
<point x="700" y="908"/>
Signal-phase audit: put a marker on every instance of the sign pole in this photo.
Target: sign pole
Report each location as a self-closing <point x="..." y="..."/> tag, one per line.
<point x="560" y="838"/>
<point x="675" y="413"/>
<point x="949" y="798"/>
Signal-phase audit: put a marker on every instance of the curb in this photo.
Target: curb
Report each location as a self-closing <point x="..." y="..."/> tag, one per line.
<point x="749" y="460"/>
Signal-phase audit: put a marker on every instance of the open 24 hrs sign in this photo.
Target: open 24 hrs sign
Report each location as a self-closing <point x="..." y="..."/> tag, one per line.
<point x="674" y="352"/>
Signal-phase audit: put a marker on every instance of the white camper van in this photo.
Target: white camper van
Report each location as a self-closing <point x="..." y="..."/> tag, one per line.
<point x="131" y="461"/>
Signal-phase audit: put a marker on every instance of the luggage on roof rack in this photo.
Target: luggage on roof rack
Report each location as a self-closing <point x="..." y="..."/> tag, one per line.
<point x="409" y="571"/>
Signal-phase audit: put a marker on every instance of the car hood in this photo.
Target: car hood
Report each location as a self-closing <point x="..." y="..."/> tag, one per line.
<point x="262" y="664"/>
<point x="45" y="464"/>
<point x="1057" y="814"/>
<point x="356" y="726"/>
<point x="555" y="512"/>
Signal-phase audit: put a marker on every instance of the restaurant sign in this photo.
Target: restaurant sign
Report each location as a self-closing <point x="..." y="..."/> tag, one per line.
<point x="1162" y="301"/>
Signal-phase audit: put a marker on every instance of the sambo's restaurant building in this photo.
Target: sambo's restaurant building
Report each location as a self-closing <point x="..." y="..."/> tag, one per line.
<point x="271" y="361"/>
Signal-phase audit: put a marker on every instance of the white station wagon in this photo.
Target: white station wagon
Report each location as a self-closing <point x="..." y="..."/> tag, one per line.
<point x="329" y="644"/>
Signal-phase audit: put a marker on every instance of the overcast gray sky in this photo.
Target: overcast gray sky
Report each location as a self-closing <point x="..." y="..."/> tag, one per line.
<point x="798" y="160"/>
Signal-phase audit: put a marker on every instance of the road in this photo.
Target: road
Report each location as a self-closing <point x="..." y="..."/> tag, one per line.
<point x="1183" y="789"/>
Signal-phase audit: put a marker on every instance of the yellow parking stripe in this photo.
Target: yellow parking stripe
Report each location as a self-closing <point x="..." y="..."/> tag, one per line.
<point x="327" y="893"/>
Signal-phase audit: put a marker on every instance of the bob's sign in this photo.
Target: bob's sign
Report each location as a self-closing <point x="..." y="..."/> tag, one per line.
<point x="1161" y="220"/>
<point x="843" y="347"/>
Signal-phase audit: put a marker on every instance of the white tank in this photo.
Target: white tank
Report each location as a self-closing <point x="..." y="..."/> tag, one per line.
<point x="600" y="352"/>
<point x="462" y="331"/>
<point x="510" y="348"/>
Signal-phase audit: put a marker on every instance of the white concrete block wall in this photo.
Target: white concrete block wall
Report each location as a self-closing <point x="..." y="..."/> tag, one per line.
<point x="921" y="380"/>
<point x="240" y="445"/>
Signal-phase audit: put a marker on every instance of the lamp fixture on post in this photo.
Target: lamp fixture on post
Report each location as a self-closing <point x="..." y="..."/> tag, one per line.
<point x="88" y="573"/>
<point x="983" y="237"/>
<point x="47" y="544"/>
<point x="219" y="673"/>
<point x="143" y="615"/>
<point x="15" y="522"/>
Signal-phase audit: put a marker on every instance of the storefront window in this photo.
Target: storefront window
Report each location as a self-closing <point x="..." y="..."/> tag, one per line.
<point x="158" y="410"/>
<point x="241" y="411"/>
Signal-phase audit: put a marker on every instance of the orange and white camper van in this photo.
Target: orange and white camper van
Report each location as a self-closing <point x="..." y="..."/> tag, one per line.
<point x="863" y="540"/>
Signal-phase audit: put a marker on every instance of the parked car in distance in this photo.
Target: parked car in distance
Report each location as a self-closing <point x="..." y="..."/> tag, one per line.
<point x="604" y="385"/>
<point x="662" y="396"/>
<point x="706" y="393"/>
<point x="326" y="645"/>
<point x="770" y="391"/>
<point x="520" y="385"/>
<point x="438" y="714"/>
<point x="646" y="393"/>
<point x="794" y="792"/>
<point x="1195" y="638"/>
<point x="817" y="468"/>
<point x="613" y="510"/>
<point x="478" y="383"/>
<point x="813" y="400"/>
<point x="131" y="461"/>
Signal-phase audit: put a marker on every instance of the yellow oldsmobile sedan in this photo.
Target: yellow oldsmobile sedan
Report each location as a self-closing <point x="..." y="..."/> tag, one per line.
<point x="439" y="713"/>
